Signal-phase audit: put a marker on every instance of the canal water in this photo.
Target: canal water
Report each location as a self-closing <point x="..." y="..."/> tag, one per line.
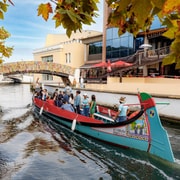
<point x="34" y="148"/>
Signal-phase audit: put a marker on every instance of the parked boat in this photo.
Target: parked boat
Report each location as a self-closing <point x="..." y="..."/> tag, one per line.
<point x="142" y="130"/>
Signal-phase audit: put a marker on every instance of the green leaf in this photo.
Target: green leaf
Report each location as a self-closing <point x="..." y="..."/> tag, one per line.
<point x="170" y="59"/>
<point x="175" y="47"/>
<point x="3" y="6"/>
<point x="158" y="3"/>
<point x="170" y="33"/>
<point x="178" y="64"/>
<point x="72" y="16"/>
<point x="141" y="9"/>
<point x="123" y="4"/>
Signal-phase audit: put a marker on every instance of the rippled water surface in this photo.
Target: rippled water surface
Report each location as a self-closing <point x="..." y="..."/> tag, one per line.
<point x="36" y="148"/>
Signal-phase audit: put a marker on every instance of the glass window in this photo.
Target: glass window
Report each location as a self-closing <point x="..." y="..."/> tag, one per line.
<point x="124" y="42"/>
<point x="115" y="43"/>
<point x="95" y="48"/>
<point x="47" y="58"/>
<point x="115" y="54"/>
<point x="131" y="41"/>
<point x="118" y="46"/>
<point x="109" y="34"/>
<point x="108" y="45"/>
<point x="115" y="33"/>
<point x="108" y="54"/>
<point x="68" y="58"/>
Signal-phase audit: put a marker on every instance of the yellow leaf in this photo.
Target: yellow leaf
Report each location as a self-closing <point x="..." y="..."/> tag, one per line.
<point x="1" y="61"/>
<point x="170" y="6"/>
<point x="44" y="10"/>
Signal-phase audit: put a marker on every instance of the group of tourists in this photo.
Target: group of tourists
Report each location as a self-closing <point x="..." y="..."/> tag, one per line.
<point x="67" y="100"/>
<point x="81" y="105"/>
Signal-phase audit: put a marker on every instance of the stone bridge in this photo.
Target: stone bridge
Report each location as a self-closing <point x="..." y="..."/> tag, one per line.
<point x="39" y="67"/>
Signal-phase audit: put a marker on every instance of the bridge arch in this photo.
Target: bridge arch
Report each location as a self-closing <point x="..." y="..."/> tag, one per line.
<point x="37" y="67"/>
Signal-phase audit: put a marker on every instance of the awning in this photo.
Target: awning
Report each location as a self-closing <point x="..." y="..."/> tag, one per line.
<point x="101" y="64"/>
<point x="87" y="66"/>
<point x="120" y="64"/>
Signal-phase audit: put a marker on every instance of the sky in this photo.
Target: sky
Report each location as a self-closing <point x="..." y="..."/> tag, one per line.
<point x="28" y="31"/>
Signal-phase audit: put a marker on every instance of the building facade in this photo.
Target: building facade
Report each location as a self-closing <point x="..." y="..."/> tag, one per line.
<point x="85" y="49"/>
<point x="66" y="51"/>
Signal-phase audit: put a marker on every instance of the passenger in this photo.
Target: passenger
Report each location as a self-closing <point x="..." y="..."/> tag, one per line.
<point x="71" y="100"/>
<point x="65" y="96"/>
<point x="45" y="95"/>
<point x="60" y="95"/>
<point x="85" y="105"/>
<point x="55" y="93"/>
<point x="123" y="110"/>
<point x="67" y="106"/>
<point x="77" y="102"/>
<point x="92" y="105"/>
<point x="55" y="98"/>
<point x="35" y="94"/>
<point x="40" y="93"/>
<point x="68" y="89"/>
<point x="60" y="99"/>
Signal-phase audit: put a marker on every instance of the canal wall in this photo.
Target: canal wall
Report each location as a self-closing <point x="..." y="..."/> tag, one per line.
<point x="157" y="87"/>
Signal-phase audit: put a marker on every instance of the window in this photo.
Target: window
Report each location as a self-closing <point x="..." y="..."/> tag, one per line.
<point x="118" y="46"/>
<point x="95" y="48"/>
<point x="47" y="58"/>
<point x="68" y="58"/>
<point x="47" y="77"/>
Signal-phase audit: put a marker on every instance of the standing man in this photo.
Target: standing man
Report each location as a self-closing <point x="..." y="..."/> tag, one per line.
<point x="77" y="102"/>
<point x="123" y="110"/>
<point x="85" y="105"/>
<point x="68" y="89"/>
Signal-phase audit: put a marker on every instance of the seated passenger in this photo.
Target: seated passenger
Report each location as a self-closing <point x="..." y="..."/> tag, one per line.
<point x="67" y="106"/>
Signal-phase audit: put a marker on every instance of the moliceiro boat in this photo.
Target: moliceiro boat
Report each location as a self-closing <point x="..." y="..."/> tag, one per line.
<point x="142" y="130"/>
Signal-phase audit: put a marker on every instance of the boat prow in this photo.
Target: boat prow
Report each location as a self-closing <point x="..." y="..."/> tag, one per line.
<point x="159" y="144"/>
